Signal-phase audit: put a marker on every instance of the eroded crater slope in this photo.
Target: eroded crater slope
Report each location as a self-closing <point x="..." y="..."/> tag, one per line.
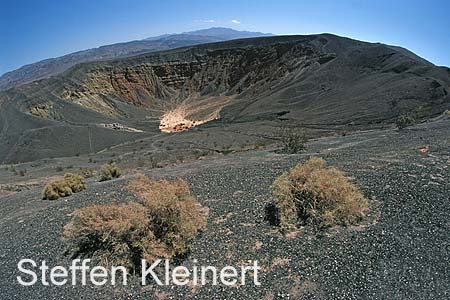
<point x="317" y="80"/>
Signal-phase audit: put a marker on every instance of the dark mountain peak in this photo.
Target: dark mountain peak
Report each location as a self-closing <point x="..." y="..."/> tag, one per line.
<point x="227" y="33"/>
<point x="54" y="66"/>
<point x="217" y="33"/>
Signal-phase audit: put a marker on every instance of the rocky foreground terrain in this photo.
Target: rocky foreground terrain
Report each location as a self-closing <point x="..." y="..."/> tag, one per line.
<point x="400" y="250"/>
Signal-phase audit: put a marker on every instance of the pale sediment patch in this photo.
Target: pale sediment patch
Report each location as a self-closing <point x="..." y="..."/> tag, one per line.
<point x="193" y="113"/>
<point x="176" y="121"/>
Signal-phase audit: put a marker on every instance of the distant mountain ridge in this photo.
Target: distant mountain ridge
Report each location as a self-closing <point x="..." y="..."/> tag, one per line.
<point x="53" y="66"/>
<point x="227" y="33"/>
<point x="219" y="33"/>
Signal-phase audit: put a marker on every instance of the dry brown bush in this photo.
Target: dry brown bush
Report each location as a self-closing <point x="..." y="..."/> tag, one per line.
<point x="113" y="234"/>
<point x="71" y="183"/>
<point x="314" y="193"/>
<point x="176" y="214"/>
<point x="161" y="225"/>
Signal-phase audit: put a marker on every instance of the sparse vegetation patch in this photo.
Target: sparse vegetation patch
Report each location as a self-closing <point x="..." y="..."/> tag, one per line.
<point x="409" y="118"/>
<point x="406" y="120"/>
<point x="315" y="193"/>
<point x="71" y="183"/>
<point x="110" y="171"/>
<point x="292" y="140"/>
<point x="161" y="224"/>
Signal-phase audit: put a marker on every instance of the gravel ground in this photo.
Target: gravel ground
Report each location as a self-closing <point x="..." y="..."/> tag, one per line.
<point x="400" y="251"/>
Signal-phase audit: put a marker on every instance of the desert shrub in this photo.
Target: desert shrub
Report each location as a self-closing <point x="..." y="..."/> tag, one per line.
<point x="175" y="213"/>
<point x="292" y="140"/>
<point x="154" y="162"/>
<point x="406" y="120"/>
<point x="113" y="234"/>
<point x="315" y="193"/>
<point x="71" y="183"/>
<point x="109" y="171"/>
<point x="75" y="181"/>
<point x="162" y="224"/>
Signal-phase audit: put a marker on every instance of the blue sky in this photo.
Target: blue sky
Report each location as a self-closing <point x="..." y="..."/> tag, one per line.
<point x="35" y="30"/>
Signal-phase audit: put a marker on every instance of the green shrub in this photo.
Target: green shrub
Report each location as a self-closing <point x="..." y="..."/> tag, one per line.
<point x="406" y="120"/>
<point x="71" y="183"/>
<point x="317" y="194"/>
<point x="292" y="140"/>
<point x="161" y="225"/>
<point x="109" y="171"/>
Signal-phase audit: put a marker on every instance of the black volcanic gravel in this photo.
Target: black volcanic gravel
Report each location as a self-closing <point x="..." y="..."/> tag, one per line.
<point x="401" y="251"/>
